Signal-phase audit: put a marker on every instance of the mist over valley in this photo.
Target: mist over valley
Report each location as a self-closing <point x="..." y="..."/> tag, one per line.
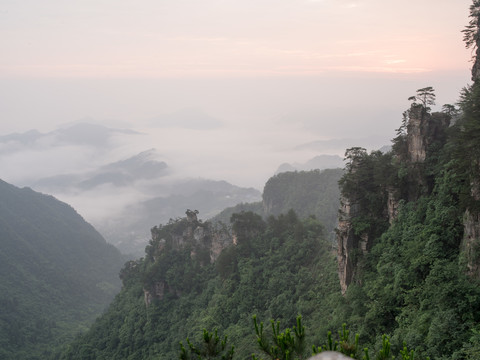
<point x="240" y="180"/>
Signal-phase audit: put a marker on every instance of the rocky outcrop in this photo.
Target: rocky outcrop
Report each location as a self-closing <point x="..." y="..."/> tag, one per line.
<point x="416" y="134"/>
<point x="156" y="292"/>
<point x="356" y="230"/>
<point x="423" y="129"/>
<point x="471" y="229"/>
<point x="203" y="241"/>
<point x="347" y="243"/>
<point x="220" y="240"/>
<point x="392" y="203"/>
<point x="471" y="243"/>
<point x="191" y="215"/>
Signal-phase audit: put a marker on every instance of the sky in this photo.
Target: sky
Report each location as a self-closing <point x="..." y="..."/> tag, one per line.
<point x="225" y="89"/>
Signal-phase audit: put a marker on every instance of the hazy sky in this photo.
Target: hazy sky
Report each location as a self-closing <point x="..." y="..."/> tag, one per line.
<point x="222" y="38"/>
<point x="228" y="89"/>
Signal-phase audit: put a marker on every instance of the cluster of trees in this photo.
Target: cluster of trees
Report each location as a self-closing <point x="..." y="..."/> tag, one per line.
<point x="290" y="345"/>
<point x="414" y="284"/>
<point x="414" y="287"/>
<point x="279" y="268"/>
<point x="308" y="193"/>
<point x="365" y="184"/>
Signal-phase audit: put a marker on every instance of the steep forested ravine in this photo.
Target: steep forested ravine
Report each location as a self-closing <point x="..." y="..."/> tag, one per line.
<point x="57" y="273"/>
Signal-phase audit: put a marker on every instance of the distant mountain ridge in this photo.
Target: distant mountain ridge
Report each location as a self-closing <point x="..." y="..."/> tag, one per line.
<point x="122" y="188"/>
<point x="125" y="172"/>
<point x="80" y="133"/>
<point x="319" y="162"/>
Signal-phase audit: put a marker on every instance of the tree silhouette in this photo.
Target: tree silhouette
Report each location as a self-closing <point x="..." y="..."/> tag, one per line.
<point x="425" y="97"/>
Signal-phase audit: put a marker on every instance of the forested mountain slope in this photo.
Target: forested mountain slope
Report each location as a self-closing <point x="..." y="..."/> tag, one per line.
<point x="308" y="193"/>
<point x="409" y="234"/>
<point x="57" y="273"/>
<point x="275" y="269"/>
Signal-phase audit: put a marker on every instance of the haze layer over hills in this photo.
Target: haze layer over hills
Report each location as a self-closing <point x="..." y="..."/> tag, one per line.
<point x="122" y="188"/>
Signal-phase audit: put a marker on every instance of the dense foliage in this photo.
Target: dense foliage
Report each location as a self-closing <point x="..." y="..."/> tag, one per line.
<point x="56" y="273"/>
<point x="365" y="184"/>
<point x="278" y="269"/>
<point x="308" y="193"/>
<point x="415" y="284"/>
<point x="225" y="215"/>
<point x="290" y="344"/>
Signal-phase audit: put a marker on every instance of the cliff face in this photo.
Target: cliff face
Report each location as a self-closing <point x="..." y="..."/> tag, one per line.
<point x="200" y="242"/>
<point x="392" y="203"/>
<point x="416" y="131"/>
<point x="471" y="242"/>
<point x="347" y="242"/>
<point x="471" y="228"/>
<point x="471" y="219"/>
<point x="388" y="181"/>
<point x="423" y="129"/>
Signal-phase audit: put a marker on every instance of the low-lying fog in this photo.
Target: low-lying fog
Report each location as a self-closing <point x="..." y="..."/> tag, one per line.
<point x="237" y="130"/>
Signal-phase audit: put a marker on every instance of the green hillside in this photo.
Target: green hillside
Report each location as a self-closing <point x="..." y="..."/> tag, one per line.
<point x="56" y="273"/>
<point x="308" y="193"/>
<point x="277" y="269"/>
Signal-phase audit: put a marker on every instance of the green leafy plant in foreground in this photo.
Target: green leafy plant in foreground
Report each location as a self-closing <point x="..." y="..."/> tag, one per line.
<point x="285" y="345"/>
<point x="344" y="345"/>
<point x="290" y="345"/>
<point x="352" y="348"/>
<point x="211" y="348"/>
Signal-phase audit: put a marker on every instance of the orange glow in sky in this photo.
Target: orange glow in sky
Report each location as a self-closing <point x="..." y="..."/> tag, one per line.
<point x="227" y="38"/>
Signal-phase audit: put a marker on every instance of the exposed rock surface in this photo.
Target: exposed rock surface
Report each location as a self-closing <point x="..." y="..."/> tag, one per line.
<point x="346" y="242"/>
<point x="157" y="292"/>
<point x="471" y="242"/>
<point x="204" y="241"/>
<point x="471" y="232"/>
<point x="423" y="130"/>
<point x="392" y="204"/>
<point x="415" y="135"/>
